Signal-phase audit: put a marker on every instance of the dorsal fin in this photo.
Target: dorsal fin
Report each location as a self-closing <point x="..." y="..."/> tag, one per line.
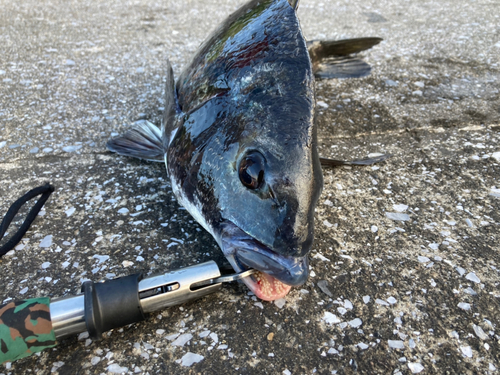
<point x="171" y="107"/>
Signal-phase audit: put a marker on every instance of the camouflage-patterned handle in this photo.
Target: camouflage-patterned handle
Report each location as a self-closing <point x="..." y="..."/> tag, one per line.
<point x="25" y="328"/>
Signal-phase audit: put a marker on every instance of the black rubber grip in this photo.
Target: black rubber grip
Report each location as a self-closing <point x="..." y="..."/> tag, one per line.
<point x="112" y="304"/>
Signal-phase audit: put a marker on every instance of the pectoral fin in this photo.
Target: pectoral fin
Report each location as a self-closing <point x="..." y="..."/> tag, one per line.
<point x="366" y="161"/>
<point x="342" y="68"/>
<point x="142" y="141"/>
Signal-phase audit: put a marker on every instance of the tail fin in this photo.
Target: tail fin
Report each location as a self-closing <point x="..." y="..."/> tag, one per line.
<point x="332" y="58"/>
<point x="143" y="141"/>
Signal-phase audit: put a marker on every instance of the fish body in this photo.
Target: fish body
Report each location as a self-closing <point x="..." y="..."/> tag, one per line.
<point x="239" y="142"/>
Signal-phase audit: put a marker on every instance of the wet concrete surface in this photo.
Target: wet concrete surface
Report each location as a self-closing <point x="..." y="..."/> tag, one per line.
<point x="406" y="264"/>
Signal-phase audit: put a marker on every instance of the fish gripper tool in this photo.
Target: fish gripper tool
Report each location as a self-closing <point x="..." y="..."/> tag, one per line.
<point x="115" y="303"/>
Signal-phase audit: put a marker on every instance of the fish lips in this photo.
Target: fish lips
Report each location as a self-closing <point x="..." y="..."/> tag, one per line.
<point x="292" y="272"/>
<point x="246" y="252"/>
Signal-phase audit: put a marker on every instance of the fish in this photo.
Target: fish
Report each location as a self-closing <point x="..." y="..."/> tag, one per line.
<point x="239" y="140"/>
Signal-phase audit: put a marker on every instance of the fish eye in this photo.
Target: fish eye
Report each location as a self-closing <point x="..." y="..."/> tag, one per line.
<point x="251" y="170"/>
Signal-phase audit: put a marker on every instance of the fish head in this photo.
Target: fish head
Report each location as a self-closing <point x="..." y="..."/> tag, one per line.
<point x="244" y="160"/>
<point x="265" y="175"/>
<point x="267" y="214"/>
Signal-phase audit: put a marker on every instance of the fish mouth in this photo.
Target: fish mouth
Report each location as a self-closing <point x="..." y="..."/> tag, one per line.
<point x="278" y="273"/>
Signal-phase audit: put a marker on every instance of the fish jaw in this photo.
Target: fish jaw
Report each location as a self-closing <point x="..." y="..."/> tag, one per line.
<point x="277" y="273"/>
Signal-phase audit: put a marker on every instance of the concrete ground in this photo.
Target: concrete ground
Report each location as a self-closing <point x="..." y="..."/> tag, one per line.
<point x="406" y="261"/>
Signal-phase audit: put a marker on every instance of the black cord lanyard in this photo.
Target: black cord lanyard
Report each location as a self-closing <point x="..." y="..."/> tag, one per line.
<point x="45" y="191"/>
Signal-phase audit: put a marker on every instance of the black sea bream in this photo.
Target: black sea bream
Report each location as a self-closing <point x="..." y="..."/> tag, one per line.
<point x="239" y="141"/>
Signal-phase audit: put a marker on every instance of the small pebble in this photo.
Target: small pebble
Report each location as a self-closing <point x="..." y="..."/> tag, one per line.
<point x="392" y="300"/>
<point x="46" y="242"/>
<point x="466" y="351"/>
<point x="116" y="369"/>
<point x="381" y="302"/>
<point x="400" y="207"/>
<point x="472" y="277"/>
<point x="397" y="216"/>
<point x="323" y="285"/>
<point x="214" y="337"/>
<point x="190" y="358"/>
<point x="182" y="339"/>
<point x="259" y="305"/>
<point x="330" y="318"/>
<point x="396" y="344"/>
<point x="355" y="323"/>
<point x="95" y="360"/>
<point x="479" y="332"/>
<point x="423" y="259"/>
<point x="415" y="367"/>
<point x="464" y="305"/>
<point x="280" y="302"/>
